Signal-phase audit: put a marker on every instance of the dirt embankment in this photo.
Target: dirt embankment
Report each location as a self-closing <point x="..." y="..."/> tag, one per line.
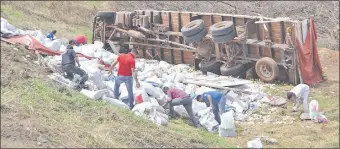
<point x="17" y="65"/>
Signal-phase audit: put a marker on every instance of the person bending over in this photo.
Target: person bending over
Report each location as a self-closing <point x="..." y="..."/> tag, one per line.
<point x="179" y="97"/>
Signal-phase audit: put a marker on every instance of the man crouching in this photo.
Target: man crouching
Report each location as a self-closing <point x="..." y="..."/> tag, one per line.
<point x="179" y="97"/>
<point x="69" y="59"/>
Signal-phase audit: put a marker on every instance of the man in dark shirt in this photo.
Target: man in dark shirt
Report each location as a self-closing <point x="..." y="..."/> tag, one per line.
<point x="69" y="58"/>
<point x="179" y="97"/>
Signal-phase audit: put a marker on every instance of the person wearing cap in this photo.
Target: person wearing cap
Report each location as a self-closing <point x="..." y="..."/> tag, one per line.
<point x="51" y="35"/>
<point x="216" y="100"/>
<point x="179" y="97"/>
<point x="68" y="60"/>
<point x="299" y="94"/>
<point x="79" y="40"/>
<point x="126" y="74"/>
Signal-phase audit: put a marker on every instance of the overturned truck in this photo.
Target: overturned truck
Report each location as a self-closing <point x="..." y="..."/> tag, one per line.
<point x="228" y="45"/>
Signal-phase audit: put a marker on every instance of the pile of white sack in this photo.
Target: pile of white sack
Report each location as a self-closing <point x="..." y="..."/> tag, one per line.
<point x="153" y="76"/>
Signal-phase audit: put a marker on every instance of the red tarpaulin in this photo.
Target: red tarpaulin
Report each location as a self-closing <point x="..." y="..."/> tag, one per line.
<point x="34" y="44"/>
<point x="309" y="61"/>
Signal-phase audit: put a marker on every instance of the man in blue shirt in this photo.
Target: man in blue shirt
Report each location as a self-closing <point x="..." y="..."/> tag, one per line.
<point x="51" y="34"/>
<point x="216" y="100"/>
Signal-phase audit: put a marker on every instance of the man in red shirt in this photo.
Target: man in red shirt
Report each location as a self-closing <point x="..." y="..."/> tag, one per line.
<point x="179" y="97"/>
<point x="79" y="40"/>
<point x="126" y="72"/>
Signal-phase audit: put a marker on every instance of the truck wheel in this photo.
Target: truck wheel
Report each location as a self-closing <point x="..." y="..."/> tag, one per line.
<point x="211" y="66"/>
<point x="267" y="69"/>
<point x="221" y="28"/>
<point x="224" y="38"/>
<point x="197" y="37"/>
<point x="194" y="27"/>
<point x="234" y="71"/>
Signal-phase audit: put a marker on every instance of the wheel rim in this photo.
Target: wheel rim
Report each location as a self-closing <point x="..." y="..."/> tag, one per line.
<point x="266" y="71"/>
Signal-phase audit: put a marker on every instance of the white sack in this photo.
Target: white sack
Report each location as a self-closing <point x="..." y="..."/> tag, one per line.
<point x="151" y="90"/>
<point x="77" y="49"/>
<point x="168" y="84"/>
<point x="6" y="27"/>
<point x="180" y="110"/>
<point x="115" y="102"/>
<point x="164" y="65"/>
<point x="207" y="120"/>
<point x="203" y="89"/>
<point x="156" y="80"/>
<point x="227" y="120"/>
<point x="157" y="117"/>
<point x="123" y="92"/>
<point x="162" y="99"/>
<point x="109" y="59"/>
<point x="88" y="50"/>
<point x="97" y="79"/>
<point x="139" y="109"/>
<point x="179" y="78"/>
<point x="140" y="66"/>
<point x="94" y="94"/>
<point x="62" y="48"/>
<point x="190" y="88"/>
<point x="110" y="84"/>
<point x="198" y="106"/>
<point x="256" y="143"/>
<point x="154" y="102"/>
<point x="171" y="77"/>
<point x="313" y="109"/>
<point x="141" y="90"/>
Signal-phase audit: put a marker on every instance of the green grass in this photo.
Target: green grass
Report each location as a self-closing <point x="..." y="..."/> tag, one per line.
<point x="88" y="123"/>
<point x="11" y="12"/>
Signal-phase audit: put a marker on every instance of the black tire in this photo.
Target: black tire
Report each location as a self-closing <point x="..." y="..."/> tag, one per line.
<point x="267" y="69"/>
<point x="197" y="37"/>
<point x="193" y="28"/>
<point x="235" y="71"/>
<point x="224" y="38"/>
<point x="221" y="28"/>
<point x="211" y="66"/>
<point x="253" y="73"/>
<point x="105" y="14"/>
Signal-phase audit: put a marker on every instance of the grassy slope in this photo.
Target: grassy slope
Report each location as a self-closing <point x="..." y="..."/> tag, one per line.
<point x="91" y="131"/>
<point x="75" y="121"/>
<point x="72" y="120"/>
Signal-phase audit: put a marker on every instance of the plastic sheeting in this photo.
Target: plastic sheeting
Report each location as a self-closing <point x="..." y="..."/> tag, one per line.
<point x="310" y="66"/>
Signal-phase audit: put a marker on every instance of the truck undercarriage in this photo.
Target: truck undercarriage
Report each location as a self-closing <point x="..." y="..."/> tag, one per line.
<point x="223" y="44"/>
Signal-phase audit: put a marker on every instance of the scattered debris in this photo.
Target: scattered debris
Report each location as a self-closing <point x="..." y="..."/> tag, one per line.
<point x="305" y="116"/>
<point x="277" y="101"/>
<point x="255" y="143"/>
<point x="268" y="140"/>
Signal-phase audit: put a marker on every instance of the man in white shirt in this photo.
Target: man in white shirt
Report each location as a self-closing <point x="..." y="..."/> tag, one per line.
<point x="299" y="94"/>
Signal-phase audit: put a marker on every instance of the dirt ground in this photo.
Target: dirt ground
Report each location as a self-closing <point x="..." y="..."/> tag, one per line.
<point x="330" y="65"/>
<point x="17" y="65"/>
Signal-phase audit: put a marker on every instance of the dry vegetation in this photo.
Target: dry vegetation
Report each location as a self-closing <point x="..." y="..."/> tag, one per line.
<point x="36" y="113"/>
<point x="80" y="13"/>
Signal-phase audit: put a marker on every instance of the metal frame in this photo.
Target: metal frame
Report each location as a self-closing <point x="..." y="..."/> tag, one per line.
<point x="246" y="44"/>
